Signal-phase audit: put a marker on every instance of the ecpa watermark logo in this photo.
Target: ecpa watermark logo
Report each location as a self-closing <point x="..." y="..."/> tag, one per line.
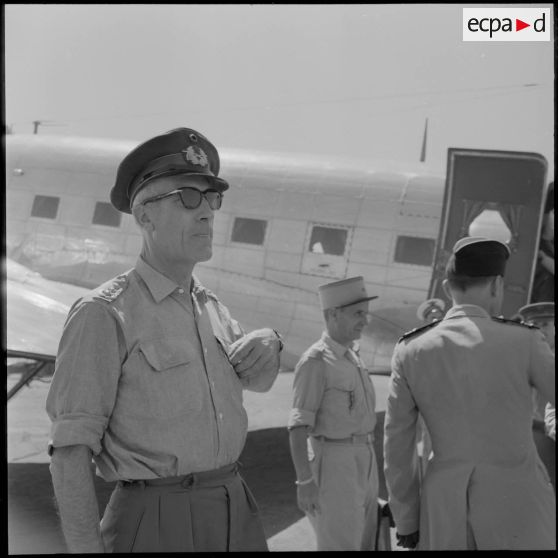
<point x="506" y="24"/>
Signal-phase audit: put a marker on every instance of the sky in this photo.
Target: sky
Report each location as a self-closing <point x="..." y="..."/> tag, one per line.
<point x="340" y="80"/>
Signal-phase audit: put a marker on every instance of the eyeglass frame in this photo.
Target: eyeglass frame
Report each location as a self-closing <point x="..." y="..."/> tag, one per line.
<point x="178" y="190"/>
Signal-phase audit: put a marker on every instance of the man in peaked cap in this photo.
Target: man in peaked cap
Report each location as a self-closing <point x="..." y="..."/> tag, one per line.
<point x="149" y="377"/>
<point x="470" y="376"/>
<point x="334" y="406"/>
<point x="540" y="314"/>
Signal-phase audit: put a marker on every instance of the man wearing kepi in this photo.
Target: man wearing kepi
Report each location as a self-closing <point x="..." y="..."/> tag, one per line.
<point x="334" y="405"/>
<point x="149" y="377"/>
<point x="470" y="376"/>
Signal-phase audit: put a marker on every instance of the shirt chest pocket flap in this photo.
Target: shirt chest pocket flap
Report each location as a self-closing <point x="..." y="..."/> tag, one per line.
<point x="163" y="354"/>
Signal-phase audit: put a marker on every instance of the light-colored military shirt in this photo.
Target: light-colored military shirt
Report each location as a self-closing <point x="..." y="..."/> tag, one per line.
<point x="142" y="378"/>
<point x="333" y="393"/>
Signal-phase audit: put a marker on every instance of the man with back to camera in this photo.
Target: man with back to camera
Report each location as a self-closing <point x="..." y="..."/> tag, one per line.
<point x="149" y="377"/>
<point x="470" y="376"/>
<point x="334" y="405"/>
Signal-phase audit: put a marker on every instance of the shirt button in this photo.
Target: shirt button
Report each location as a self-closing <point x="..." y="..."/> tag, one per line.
<point x="221" y="416"/>
<point x="181" y="291"/>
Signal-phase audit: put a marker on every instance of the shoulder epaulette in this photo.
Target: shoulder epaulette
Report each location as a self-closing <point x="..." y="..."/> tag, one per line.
<point x="113" y="289"/>
<point x="315" y="352"/>
<point x="514" y="322"/>
<point x="418" y="330"/>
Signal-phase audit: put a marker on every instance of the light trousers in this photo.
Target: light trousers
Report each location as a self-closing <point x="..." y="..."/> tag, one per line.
<point x="347" y="476"/>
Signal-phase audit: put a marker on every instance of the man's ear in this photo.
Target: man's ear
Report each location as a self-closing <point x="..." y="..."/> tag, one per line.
<point x="142" y="217"/>
<point x="496" y="283"/>
<point x="445" y="286"/>
<point x="330" y="314"/>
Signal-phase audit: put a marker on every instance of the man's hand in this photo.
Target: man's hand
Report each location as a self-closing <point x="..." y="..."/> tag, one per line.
<point x="307" y="498"/>
<point x="255" y="358"/>
<point x="408" y="541"/>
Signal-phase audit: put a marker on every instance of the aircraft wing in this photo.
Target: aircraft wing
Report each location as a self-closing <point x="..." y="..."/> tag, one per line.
<point x="36" y="310"/>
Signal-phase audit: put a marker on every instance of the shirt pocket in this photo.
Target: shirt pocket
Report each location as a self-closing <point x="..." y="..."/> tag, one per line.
<point x="162" y="355"/>
<point x="341" y="396"/>
<point x="165" y="379"/>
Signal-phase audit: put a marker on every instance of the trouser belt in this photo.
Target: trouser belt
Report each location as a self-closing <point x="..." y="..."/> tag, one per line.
<point x="203" y="479"/>
<point x="354" y="439"/>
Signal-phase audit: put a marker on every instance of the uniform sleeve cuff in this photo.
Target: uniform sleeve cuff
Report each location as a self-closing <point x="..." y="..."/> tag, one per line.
<point x="75" y="430"/>
<point x="300" y="417"/>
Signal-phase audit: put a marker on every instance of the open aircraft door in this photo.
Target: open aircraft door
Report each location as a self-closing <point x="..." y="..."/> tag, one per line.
<point x="498" y="186"/>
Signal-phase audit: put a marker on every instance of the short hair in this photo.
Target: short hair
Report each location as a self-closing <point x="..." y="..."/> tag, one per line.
<point x="149" y="190"/>
<point x="465" y="282"/>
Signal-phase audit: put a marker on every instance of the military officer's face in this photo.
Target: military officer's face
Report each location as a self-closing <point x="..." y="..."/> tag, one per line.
<point x="350" y="321"/>
<point x="178" y="234"/>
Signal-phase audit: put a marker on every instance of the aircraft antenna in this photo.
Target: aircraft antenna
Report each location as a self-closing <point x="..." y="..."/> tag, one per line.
<point x="424" y="138"/>
<point x="37" y="123"/>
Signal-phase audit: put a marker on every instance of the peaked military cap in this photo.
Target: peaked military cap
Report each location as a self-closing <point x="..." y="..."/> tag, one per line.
<point x="537" y="311"/>
<point x="477" y="256"/>
<point x="178" y="151"/>
<point x="343" y="293"/>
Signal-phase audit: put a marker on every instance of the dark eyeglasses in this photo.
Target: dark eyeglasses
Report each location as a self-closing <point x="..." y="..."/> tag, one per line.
<point x="191" y="198"/>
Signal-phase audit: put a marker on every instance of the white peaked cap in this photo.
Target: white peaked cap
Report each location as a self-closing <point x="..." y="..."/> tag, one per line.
<point x="343" y="293"/>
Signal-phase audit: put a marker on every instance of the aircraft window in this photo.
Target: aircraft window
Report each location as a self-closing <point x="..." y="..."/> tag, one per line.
<point x="326" y="240"/>
<point x="45" y="206"/>
<point x="249" y="231"/>
<point x="413" y="250"/>
<point x="106" y="214"/>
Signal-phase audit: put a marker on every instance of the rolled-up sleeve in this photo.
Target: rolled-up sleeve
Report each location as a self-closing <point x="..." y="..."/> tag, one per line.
<point x="84" y="386"/>
<point x="308" y="390"/>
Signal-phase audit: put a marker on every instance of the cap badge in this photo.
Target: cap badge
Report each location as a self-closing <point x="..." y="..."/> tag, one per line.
<point x="195" y="155"/>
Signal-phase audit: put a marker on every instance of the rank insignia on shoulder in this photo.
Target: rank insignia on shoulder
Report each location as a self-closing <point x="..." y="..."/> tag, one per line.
<point x="514" y="322"/>
<point x="114" y="289"/>
<point x="418" y="330"/>
<point x="315" y="352"/>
